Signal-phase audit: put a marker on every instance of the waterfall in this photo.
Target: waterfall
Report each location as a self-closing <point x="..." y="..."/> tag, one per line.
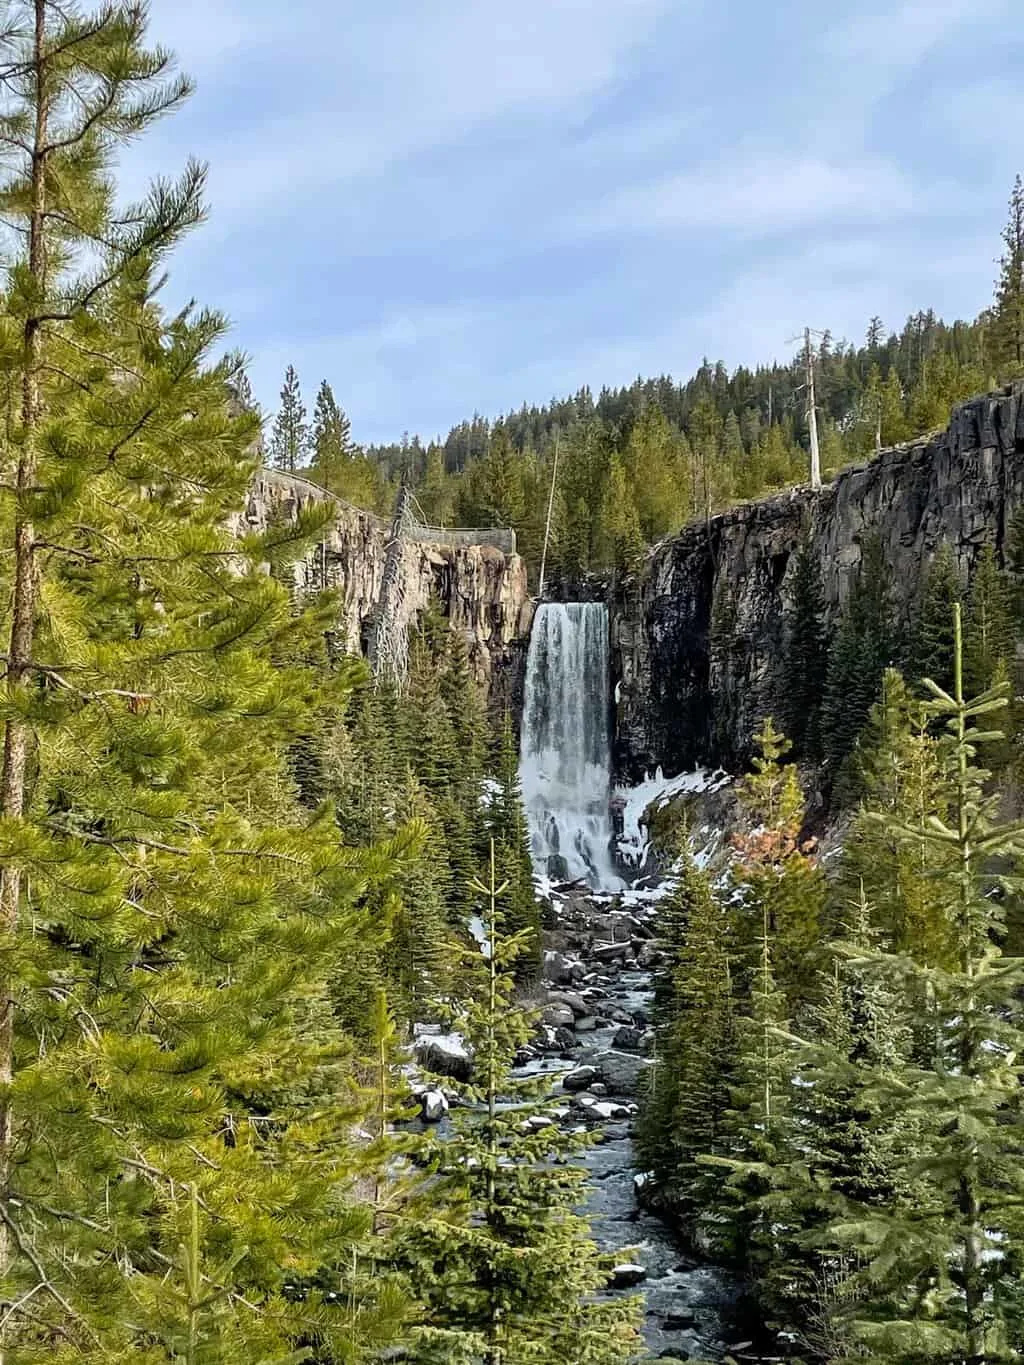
<point x="565" y="757"/>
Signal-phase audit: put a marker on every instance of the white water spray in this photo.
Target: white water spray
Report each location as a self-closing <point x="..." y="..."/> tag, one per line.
<point x="565" y="756"/>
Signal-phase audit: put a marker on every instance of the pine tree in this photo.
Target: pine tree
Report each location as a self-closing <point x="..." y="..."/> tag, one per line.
<point x="988" y="630"/>
<point x="940" y="1274"/>
<point x="806" y="658"/>
<point x="289" y="441"/>
<point x="508" y="831"/>
<point x="898" y="770"/>
<point x="170" y="914"/>
<point x="1006" y="334"/>
<point x="931" y="648"/>
<point x="861" y="649"/>
<point x="505" y="1265"/>
<point x="687" y="1088"/>
<point x="331" y="438"/>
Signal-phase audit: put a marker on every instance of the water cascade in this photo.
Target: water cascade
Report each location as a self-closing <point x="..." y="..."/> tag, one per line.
<point x="565" y="760"/>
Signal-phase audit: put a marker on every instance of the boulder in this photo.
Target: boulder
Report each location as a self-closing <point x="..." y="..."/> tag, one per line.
<point x="562" y="970"/>
<point x="580" y="1078"/>
<point x="627" y="1274"/>
<point x="648" y="955"/>
<point x="573" y="999"/>
<point x="621" y="1071"/>
<point x="587" y="1024"/>
<point x="610" y="952"/>
<point x="678" y="1322"/>
<point x="608" y="1109"/>
<point x="433" y="1106"/>
<point x="445" y="1054"/>
<point x="567" y="1040"/>
<point x="558" y="1016"/>
<point x="630" y="1039"/>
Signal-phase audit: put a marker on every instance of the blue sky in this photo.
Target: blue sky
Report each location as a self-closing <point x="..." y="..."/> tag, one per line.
<point x="464" y="204"/>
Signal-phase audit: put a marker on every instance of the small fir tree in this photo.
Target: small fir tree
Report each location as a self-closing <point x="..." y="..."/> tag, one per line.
<point x="289" y="441"/>
<point x="505" y="1265"/>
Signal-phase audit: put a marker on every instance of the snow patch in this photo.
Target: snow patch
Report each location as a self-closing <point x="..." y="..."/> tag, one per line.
<point x="657" y="791"/>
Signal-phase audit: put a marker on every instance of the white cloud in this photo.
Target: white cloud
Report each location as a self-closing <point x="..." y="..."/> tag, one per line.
<point x="757" y="197"/>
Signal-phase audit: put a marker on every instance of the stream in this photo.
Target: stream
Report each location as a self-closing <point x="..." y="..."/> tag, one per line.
<point x="596" y="1038"/>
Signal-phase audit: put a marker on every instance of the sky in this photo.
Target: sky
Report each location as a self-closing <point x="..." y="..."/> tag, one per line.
<point x="450" y="206"/>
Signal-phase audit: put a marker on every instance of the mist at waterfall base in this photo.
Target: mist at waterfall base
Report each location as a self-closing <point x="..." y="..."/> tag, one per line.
<point x="565" y="753"/>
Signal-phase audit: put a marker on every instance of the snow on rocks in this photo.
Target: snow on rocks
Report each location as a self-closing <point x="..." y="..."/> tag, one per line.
<point x="433" y="1106"/>
<point x="656" y="792"/>
<point x="445" y="1054"/>
<point x="627" y="1274"/>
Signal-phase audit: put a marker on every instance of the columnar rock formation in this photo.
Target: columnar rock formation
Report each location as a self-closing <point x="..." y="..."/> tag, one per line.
<point x="479" y="579"/>
<point x="699" y="634"/>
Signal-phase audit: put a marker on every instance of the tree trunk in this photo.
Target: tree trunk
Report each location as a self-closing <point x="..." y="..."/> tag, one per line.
<point x="16" y="736"/>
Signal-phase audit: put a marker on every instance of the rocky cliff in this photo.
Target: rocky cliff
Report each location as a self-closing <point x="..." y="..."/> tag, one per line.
<point x="698" y="634"/>
<point x="479" y="579"/>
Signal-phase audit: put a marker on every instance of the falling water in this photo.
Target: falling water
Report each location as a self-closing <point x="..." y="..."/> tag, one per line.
<point x="565" y="761"/>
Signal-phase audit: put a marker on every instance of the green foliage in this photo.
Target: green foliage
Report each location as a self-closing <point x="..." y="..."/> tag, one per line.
<point x="861" y="650"/>
<point x="1006" y="339"/>
<point x="289" y="441"/>
<point x="687" y="1088"/>
<point x="806" y="657"/>
<point x="504" y="1263"/>
<point x="931" y="650"/>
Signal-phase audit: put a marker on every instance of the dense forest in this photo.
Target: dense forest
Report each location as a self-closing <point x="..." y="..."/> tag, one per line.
<point x="233" y="873"/>
<point x="636" y="463"/>
<point x="239" y="874"/>
<point x="836" y="1101"/>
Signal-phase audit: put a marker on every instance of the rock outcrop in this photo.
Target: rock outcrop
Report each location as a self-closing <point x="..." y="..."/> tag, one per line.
<point x="479" y="579"/>
<point x="699" y="634"/>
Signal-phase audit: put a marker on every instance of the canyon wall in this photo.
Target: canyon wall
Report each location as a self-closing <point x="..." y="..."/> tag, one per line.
<point x="477" y="576"/>
<point x="699" y="632"/>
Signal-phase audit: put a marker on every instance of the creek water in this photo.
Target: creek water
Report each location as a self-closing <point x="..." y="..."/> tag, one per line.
<point x="691" y="1310"/>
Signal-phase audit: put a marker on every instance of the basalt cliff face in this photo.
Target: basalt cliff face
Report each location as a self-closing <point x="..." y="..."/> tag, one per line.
<point x="479" y="580"/>
<point x="698" y="635"/>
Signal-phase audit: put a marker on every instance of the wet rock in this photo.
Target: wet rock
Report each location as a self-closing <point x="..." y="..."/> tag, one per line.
<point x="573" y="999"/>
<point x="627" y="1274"/>
<point x="445" y="1054"/>
<point x="562" y="970"/>
<point x="610" y="952"/>
<point x="678" y="1322"/>
<point x="674" y="1353"/>
<point x="566" y="1040"/>
<point x="433" y="1106"/>
<point x="579" y="1079"/>
<point x="587" y="1024"/>
<point x="630" y="1039"/>
<point x="621" y="1072"/>
<point x="648" y="955"/>
<point x="608" y="1109"/>
<point x="558" y="1016"/>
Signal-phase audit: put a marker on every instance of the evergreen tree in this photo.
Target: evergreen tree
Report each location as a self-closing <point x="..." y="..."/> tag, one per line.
<point x="508" y="831"/>
<point x="940" y="1274"/>
<point x="687" y="1090"/>
<point x="988" y="630"/>
<point x="1006" y="336"/>
<point x="174" y="1132"/>
<point x="806" y="658"/>
<point x="899" y="774"/>
<point x="505" y="1264"/>
<point x="331" y="435"/>
<point x="860" y="651"/>
<point x="931" y="650"/>
<point x="289" y="441"/>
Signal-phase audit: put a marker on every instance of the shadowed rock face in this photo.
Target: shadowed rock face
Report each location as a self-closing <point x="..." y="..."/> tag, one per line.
<point x="698" y="635"/>
<point x="481" y="587"/>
